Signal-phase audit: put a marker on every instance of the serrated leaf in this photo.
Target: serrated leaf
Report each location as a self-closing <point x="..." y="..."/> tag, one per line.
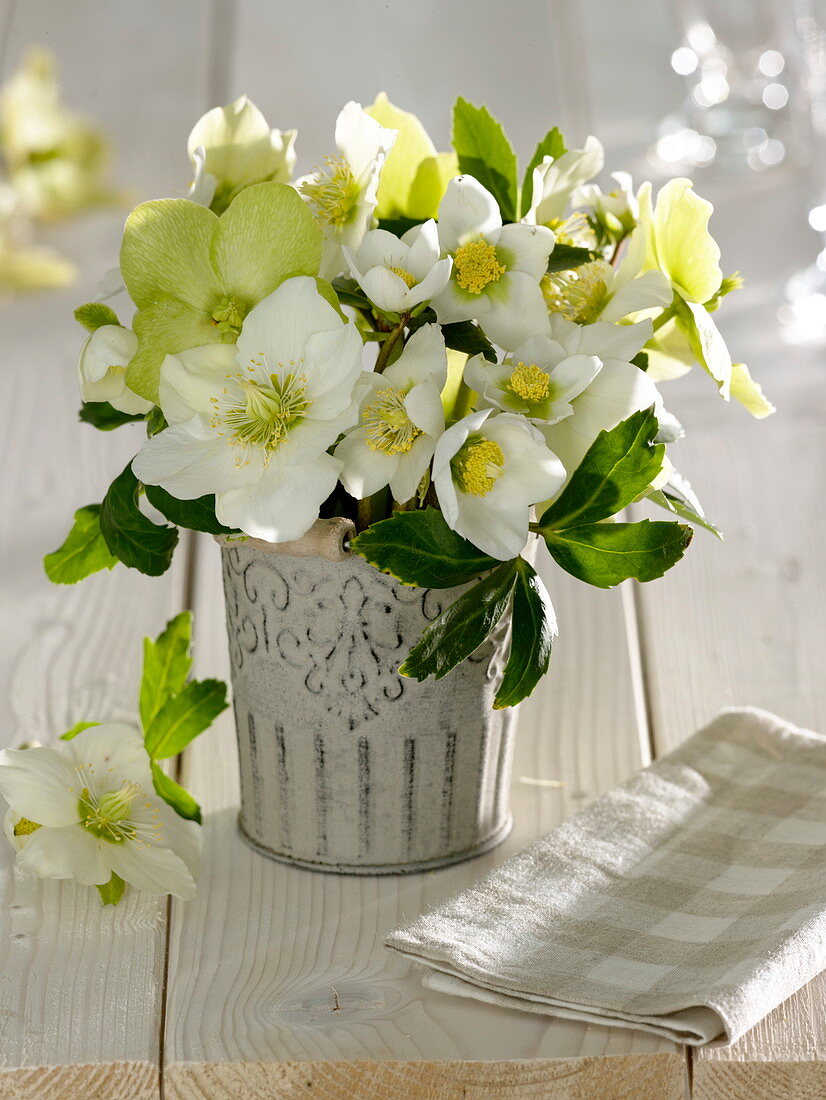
<point x="130" y="536"/>
<point x="462" y="627"/>
<point x="93" y="315"/>
<point x="485" y="153"/>
<point x="84" y="552"/>
<point x="175" y="795"/>
<point x="605" y="554"/>
<point x="105" y="417"/>
<point x="166" y="665"/>
<point x="565" y="257"/>
<point x="195" y="515"/>
<point x="619" y="465"/>
<point x="77" y="728"/>
<point x="533" y="629"/>
<point x="112" y="891"/>
<point x="184" y="716"/>
<point x="552" y="145"/>
<point x="418" y="548"/>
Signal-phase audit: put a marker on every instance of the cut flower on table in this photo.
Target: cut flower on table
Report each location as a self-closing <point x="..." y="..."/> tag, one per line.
<point x="482" y="372"/>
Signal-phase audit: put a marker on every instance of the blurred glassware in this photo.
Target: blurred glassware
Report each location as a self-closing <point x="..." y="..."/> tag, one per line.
<point x="804" y="312"/>
<point x="740" y="112"/>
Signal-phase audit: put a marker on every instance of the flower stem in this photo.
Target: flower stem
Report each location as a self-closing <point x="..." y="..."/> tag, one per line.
<point x="383" y="358"/>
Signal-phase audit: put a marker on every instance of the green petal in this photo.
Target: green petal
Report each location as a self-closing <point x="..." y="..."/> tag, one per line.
<point x="165" y="253"/>
<point x="266" y="234"/>
<point x="430" y="183"/>
<point x="749" y="393"/>
<point x="164" y="329"/>
<point x="686" y="251"/>
<point x="411" y="149"/>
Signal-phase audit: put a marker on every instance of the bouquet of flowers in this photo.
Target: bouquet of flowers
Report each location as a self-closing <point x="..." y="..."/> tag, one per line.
<point x="413" y="340"/>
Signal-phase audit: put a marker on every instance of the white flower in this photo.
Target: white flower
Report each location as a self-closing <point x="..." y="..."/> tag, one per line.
<point x="620" y="389"/>
<point x="342" y="194"/>
<point x="252" y="422"/>
<point x="617" y="210"/>
<point x="555" y="181"/>
<point x="539" y="379"/>
<point x="488" y="471"/>
<point x="101" y="369"/>
<point x="401" y="419"/>
<point x="88" y="809"/>
<point x="232" y="147"/>
<point x="600" y="291"/>
<point x="398" y="274"/>
<point x="496" y="268"/>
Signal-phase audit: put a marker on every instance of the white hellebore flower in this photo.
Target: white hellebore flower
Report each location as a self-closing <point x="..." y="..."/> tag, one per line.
<point x="539" y="379"/>
<point x="101" y="369"/>
<point x="617" y="210"/>
<point x="619" y="389"/>
<point x="488" y="471"/>
<point x="496" y="268"/>
<point x="252" y="422"/>
<point x="88" y="808"/>
<point x="232" y="147"/>
<point x="401" y="419"/>
<point x="555" y="181"/>
<point x="600" y="291"/>
<point x="398" y="274"/>
<point x="342" y="194"/>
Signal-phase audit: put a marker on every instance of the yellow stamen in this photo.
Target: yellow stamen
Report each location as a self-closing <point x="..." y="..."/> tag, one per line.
<point x="389" y="428"/>
<point x="580" y="294"/>
<point x="529" y="382"/>
<point x="24" y="827"/>
<point x="477" y="466"/>
<point x="476" y="266"/>
<point x="405" y="276"/>
<point x="333" y="192"/>
<point x="265" y="413"/>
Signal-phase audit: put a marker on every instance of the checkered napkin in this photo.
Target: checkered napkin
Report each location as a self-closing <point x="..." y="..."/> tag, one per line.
<point x="689" y="901"/>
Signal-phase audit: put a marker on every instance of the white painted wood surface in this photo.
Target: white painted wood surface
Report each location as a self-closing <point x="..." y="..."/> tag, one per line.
<point x="277" y="982"/>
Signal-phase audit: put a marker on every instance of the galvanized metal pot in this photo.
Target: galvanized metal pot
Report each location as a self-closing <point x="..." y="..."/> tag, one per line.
<point x="345" y="765"/>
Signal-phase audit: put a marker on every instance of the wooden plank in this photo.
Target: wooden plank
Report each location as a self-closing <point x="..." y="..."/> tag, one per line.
<point x="278" y="977"/>
<point x="81" y="987"/>
<point x="742" y="623"/>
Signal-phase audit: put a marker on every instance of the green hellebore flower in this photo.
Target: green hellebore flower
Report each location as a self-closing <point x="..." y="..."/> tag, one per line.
<point x="195" y="276"/>
<point x="678" y="241"/>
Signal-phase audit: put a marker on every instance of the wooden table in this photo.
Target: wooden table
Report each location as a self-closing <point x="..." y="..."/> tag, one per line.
<point x="274" y="982"/>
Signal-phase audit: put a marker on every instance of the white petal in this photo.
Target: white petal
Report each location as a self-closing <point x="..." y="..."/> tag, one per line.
<point x="332" y="366"/>
<point x="411" y="469"/>
<point x="283" y="503"/>
<point x="110" y="755"/>
<point x="387" y="290"/>
<point x="502" y="533"/>
<point x="128" y="401"/>
<point x="70" y="852"/>
<point x="382" y="249"/>
<point x="573" y="375"/>
<point x="190" y="468"/>
<point x="453" y="304"/>
<point x="424" y="407"/>
<point x="365" y="471"/>
<point x="279" y="326"/>
<point x="466" y="210"/>
<point x="613" y="341"/>
<point x="516" y="312"/>
<point x="424" y="358"/>
<point x="423" y="244"/>
<point x="154" y="870"/>
<point x="648" y="290"/>
<point x="192" y="378"/>
<point x="40" y="784"/>
<point x="108" y="346"/>
<point x="361" y="139"/>
<point x="435" y="281"/>
<point x="526" y="248"/>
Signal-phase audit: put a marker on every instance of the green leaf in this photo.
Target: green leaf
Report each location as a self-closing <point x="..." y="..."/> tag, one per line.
<point x="105" y="417"/>
<point x="565" y="257"/>
<point x="618" y="466"/>
<point x="155" y="422"/>
<point x="130" y="536"/>
<point x="94" y="315"/>
<point x="398" y="226"/>
<point x="112" y="891"/>
<point x="84" y="552"/>
<point x="533" y="630"/>
<point x="485" y="153"/>
<point x="175" y="795"/>
<point x="462" y="627"/>
<point x="77" y="728"/>
<point x="418" y="548"/>
<point x="678" y="497"/>
<point x="552" y="145"/>
<point x="605" y="554"/>
<point x="184" y="716"/>
<point x="467" y="337"/>
<point x="166" y="665"/>
<point x="196" y="515"/>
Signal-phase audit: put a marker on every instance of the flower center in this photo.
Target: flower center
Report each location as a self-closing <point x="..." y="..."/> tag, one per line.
<point x="389" y="428"/>
<point x="107" y="817"/>
<point x="578" y="295"/>
<point x="228" y="316"/>
<point x="405" y="276"/>
<point x="263" y="414"/>
<point x="476" y="266"/>
<point x="529" y="382"/>
<point x="24" y="827"/>
<point x="477" y="466"/>
<point x="333" y="192"/>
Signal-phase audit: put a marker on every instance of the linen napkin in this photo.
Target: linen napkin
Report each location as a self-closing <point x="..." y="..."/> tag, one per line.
<point x="689" y="901"/>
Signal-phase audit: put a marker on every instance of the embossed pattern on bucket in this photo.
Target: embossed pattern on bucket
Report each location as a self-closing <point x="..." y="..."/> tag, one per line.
<point x="345" y="765"/>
